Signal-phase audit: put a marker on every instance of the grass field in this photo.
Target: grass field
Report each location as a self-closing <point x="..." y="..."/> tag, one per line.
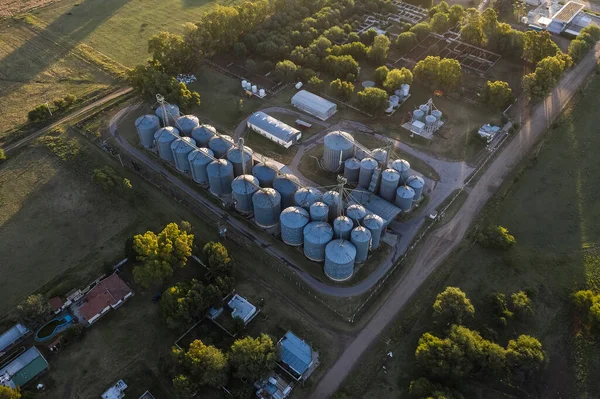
<point x="551" y="208"/>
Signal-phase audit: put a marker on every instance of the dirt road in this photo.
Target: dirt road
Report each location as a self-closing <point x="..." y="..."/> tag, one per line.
<point x="443" y="241"/>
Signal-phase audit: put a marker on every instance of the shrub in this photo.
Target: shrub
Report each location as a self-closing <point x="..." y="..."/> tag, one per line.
<point x="496" y="237"/>
<point x="2" y="155"/>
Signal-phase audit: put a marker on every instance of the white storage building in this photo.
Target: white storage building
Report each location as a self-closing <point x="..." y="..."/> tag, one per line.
<point x="273" y="129"/>
<point x="314" y="105"/>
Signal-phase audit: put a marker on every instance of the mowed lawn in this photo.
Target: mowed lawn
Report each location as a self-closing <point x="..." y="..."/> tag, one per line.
<point x="552" y="208"/>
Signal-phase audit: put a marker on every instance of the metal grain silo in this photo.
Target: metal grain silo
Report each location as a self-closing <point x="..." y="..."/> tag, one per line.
<point x="438" y="114"/>
<point x="267" y="207"/>
<point x="402" y="167"/>
<point x="199" y="160"/>
<point x="293" y="220"/>
<point x="220" y="145"/>
<point x="319" y="212"/>
<point x="286" y="185"/>
<point x="367" y="167"/>
<point x="418" y="115"/>
<point x="416" y="183"/>
<point x="169" y="115"/>
<point x="333" y="201"/>
<point x="375" y="225"/>
<point x="220" y="176"/>
<point x="339" y="260"/>
<point x="356" y="213"/>
<point x="352" y="170"/>
<point x="242" y="189"/>
<point x="337" y="147"/>
<point x="380" y="155"/>
<point x="361" y="238"/>
<point x="186" y="124"/>
<point x="424" y="108"/>
<point x="146" y="126"/>
<point x="181" y="148"/>
<point x="390" y="179"/>
<point x="316" y="236"/>
<point x="342" y="226"/>
<point x="404" y="198"/>
<point x="265" y="172"/>
<point x="306" y="196"/>
<point x="164" y="137"/>
<point x="235" y="157"/>
<point x="360" y="154"/>
<point x="202" y="134"/>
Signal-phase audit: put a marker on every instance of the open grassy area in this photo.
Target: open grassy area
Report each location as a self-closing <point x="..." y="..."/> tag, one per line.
<point x="551" y="208"/>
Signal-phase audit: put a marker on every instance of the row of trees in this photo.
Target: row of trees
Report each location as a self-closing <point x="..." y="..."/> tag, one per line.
<point x="434" y="71"/>
<point x="108" y="179"/>
<point x="150" y="80"/>
<point x="546" y="75"/>
<point x="584" y="42"/>
<point x="588" y="304"/>
<point x="57" y="106"/>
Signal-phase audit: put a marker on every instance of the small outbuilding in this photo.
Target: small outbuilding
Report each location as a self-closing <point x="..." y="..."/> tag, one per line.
<point x="296" y="357"/>
<point x="273" y="129"/>
<point x="314" y="105"/>
<point x="242" y="308"/>
<point x="23" y="369"/>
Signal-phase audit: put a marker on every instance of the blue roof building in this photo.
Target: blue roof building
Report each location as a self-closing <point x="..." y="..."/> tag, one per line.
<point x="295" y="355"/>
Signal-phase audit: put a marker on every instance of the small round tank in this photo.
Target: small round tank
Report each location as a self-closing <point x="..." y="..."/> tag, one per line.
<point x="375" y="225"/>
<point x="293" y="220"/>
<point x="181" y="148"/>
<point x="430" y="120"/>
<point x="164" y="137"/>
<point x="361" y="238"/>
<point x="424" y="108"/>
<point x="380" y="155"/>
<point x="306" y="196"/>
<point x="220" y="145"/>
<point x="287" y="185"/>
<point x="340" y="256"/>
<point x="403" y="167"/>
<point x="437" y="114"/>
<point x="235" y="157"/>
<point x="146" y="126"/>
<point x="220" y="176"/>
<point x="242" y="189"/>
<point x="168" y="118"/>
<point x="199" y="160"/>
<point x="367" y="167"/>
<point x="405" y="89"/>
<point x="404" y="198"/>
<point x="332" y="200"/>
<point x="267" y="207"/>
<point x="390" y="179"/>
<point x="265" y="173"/>
<point x="319" y="212"/>
<point x="352" y="170"/>
<point x="186" y="124"/>
<point x="418" y="115"/>
<point x="337" y="147"/>
<point x="202" y="134"/>
<point x="316" y="237"/>
<point x="342" y="226"/>
<point x="416" y="183"/>
<point x="356" y="213"/>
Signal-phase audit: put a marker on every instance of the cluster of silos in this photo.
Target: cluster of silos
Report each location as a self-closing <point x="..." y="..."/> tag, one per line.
<point x="397" y="185"/>
<point x="338" y="146"/>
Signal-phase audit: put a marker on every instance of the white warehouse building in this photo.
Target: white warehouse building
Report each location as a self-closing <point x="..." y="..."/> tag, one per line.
<point x="273" y="129"/>
<point x="314" y="105"/>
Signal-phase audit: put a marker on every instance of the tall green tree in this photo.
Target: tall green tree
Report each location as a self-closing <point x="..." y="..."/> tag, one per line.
<point x="406" y="41"/>
<point x="497" y="94"/>
<point x="396" y="77"/>
<point x="9" y="393"/>
<point x="171" y="53"/>
<point x="252" y="358"/>
<point x="472" y="31"/>
<point x="578" y="49"/>
<point x="372" y="99"/>
<point x="285" y="71"/>
<point x="537" y="46"/>
<point x="33" y="309"/>
<point x="525" y="355"/>
<point x="456" y="13"/>
<point x="440" y="22"/>
<point x="341" y="66"/>
<point x="504" y="8"/>
<point x="207" y="365"/>
<point x="421" y="30"/>
<point x="342" y="89"/>
<point x="380" y="74"/>
<point x="149" y="80"/>
<point x="426" y="71"/>
<point x="2" y="155"/>
<point x="217" y="256"/>
<point x="450" y="73"/>
<point x="452" y="305"/>
<point x="379" y="50"/>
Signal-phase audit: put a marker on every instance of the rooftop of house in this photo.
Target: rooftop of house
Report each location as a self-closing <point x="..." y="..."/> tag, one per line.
<point x="117" y="391"/>
<point x="107" y="292"/>
<point x="12" y="335"/>
<point x="56" y="303"/>
<point x="24" y="368"/>
<point x="241" y="308"/>
<point x="295" y="353"/>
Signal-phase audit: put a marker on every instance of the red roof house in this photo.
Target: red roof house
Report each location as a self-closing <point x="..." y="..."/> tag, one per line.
<point x="109" y="293"/>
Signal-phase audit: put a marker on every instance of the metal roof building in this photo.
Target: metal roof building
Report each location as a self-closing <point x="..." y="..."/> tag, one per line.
<point x="314" y="105"/>
<point x="374" y="204"/>
<point x="12" y="336"/>
<point x="242" y="308"/>
<point x="24" y="368"/>
<point x="295" y="354"/>
<point x="273" y="129"/>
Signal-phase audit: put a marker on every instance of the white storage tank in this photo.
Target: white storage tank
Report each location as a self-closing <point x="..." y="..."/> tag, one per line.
<point x="242" y="189"/>
<point x="220" y="176"/>
<point x="319" y="212"/>
<point x="416" y="183"/>
<point x="316" y="237"/>
<point x="293" y="220"/>
<point x="220" y="145"/>
<point x="267" y="207"/>
<point x="437" y="114"/>
<point x="286" y="185"/>
<point x="265" y="172"/>
<point x="405" y="89"/>
<point x="430" y="120"/>
<point x="403" y="167"/>
<point x="352" y="170"/>
<point x="356" y="213"/>
<point x="202" y="134"/>
<point x="333" y="200"/>
<point x="306" y="196"/>
<point x="367" y="167"/>
<point x="199" y="160"/>
<point x="390" y="178"/>
<point x="186" y="124"/>
<point x="146" y="126"/>
<point x="262" y="93"/>
<point x="181" y="148"/>
<point x="235" y="157"/>
<point x="374" y="223"/>
<point x="340" y="256"/>
<point x="342" y="226"/>
<point x="164" y="137"/>
<point x="404" y="198"/>
<point x="244" y="83"/>
<point x="361" y="238"/>
<point x="337" y="147"/>
<point x="169" y="115"/>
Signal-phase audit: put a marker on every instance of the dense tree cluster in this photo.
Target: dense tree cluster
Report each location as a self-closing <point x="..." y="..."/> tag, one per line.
<point x="108" y="179"/>
<point x="434" y="71"/>
<point x="546" y="75"/>
<point x="341" y="89"/>
<point x="496" y="237"/>
<point x="406" y="41"/>
<point x="452" y="306"/>
<point x="588" y="304"/>
<point x="372" y="99"/>
<point x="497" y="94"/>
<point x="537" y="46"/>
<point x="9" y="393"/>
<point x="584" y="42"/>
<point x="149" y="80"/>
<point x="251" y="358"/>
<point x="33" y="309"/>
<point x="396" y="77"/>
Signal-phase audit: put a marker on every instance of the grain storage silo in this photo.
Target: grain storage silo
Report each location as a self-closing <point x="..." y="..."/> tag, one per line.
<point x="356" y="213"/>
<point x="199" y="160"/>
<point x="342" y="226"/>
<point x="164" y="137"/>
<point x="265" y="172"/>
<point x="375" y="225"/>
<point x="360" y="153"/>
<point x="367" y="167"/>
<point x="186" y="124"/>
<point x="146" y="126"/>
<point x="418" y="115"/>
<point x="235" y="157"/>
<point x="416" y="183"/>
<point x="286" y="185"/>
<point x="380" y="155"/>
<point x="337" y="147"/>
<point x="181" y="148"/>
<point x="267" y="207"/>
<point x="403" y="167"/>
<point x="424" y="108"/>
<point x="430" y="120"/>
<point x="167" y="114"/>
<point x="339" y="260"/>
<point x="319" y="212"/>
<point x="316" y="236"/>
<point x="202" y="134"/>
<point x="306" y="196"/>
<point x="242" y="189"/>
<point x="293" y="219"/>
<point x="352" y="170"/>
<point x="333" y="201"/>
<point x="361" y="238"/>
<point x="220" y="145"/>
<point x="390" y="178"/>
<point x="220" y="176"/>
<point x="404" y="198"/>
<point x="438" y="114"/>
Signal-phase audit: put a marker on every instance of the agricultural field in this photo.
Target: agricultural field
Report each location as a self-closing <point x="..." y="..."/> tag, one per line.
<point x="551" y="207"/>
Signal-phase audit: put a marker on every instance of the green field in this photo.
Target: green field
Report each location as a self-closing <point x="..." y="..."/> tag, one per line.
<point x="551" y="207"/>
